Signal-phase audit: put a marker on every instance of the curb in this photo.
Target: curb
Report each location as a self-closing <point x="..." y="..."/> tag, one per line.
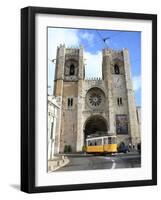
<point x="56" y="164"/>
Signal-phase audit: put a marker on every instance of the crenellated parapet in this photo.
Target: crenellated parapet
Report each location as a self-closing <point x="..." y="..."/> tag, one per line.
<point x="93" y="79"/>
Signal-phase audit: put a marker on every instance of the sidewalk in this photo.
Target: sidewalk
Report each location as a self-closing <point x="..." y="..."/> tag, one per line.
<point x="57" y="162"/>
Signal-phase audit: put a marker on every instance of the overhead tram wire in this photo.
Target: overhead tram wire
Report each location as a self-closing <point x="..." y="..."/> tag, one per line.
<point x="90" y="45"/>
<point x="52" y="60"/>
<point x="103" y="39"/>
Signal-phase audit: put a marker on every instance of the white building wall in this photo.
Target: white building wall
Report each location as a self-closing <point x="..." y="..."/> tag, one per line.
<point x="53" y="122"/>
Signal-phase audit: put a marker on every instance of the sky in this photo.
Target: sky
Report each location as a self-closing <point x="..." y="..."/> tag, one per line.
<point x="92" y="42"/>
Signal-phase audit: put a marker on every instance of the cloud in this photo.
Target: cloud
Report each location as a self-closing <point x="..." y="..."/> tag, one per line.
<point x="136" y="82"/>
<point x="57" y="36"/>
<point x="87" y="36"/>
<point x="93" y="64"/>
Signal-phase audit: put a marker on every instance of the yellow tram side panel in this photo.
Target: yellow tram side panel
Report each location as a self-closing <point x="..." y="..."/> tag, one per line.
<point x="111" y="148"/>
<point x="90" y="149"/>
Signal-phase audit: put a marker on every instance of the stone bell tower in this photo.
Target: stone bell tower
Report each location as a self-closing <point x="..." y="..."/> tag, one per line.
<point x="69" y="74"/>
<point x="122" y="116"/>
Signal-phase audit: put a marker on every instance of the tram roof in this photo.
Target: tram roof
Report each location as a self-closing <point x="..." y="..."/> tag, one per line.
<point x="94" y="138"/>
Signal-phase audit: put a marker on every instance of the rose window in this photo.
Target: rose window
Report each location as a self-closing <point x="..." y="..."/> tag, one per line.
<point x="95" y="97"/>
<point x="95" y="100"/>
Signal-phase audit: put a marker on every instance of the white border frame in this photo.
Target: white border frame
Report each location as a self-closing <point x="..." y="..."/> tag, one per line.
<point x="77" y="177"/>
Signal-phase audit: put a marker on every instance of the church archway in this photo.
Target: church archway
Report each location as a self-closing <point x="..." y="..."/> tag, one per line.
<point x="95" y="126"/>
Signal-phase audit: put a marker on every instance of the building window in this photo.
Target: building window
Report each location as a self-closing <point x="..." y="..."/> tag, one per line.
<point x="72" y="69"/>
<point x="70" y="102"/>
<point x="116" y="68"/>
<point x="51" y="135"/>
<point x="119" y="101"/>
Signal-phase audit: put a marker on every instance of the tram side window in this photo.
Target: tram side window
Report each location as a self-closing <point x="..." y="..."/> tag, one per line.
<point x="99" y="142"/>
<point x="105" y="140"/>
<point x="109" y="140"/>
<point x="114" y="140"/>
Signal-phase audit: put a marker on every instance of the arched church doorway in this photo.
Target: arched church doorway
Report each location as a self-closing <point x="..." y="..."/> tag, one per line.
<point x="95" y="126"/>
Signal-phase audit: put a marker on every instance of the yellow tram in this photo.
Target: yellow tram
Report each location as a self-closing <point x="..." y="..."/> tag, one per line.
<point x="105" y="144"/>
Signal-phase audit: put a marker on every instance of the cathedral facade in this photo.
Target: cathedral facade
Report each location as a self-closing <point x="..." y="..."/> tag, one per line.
<point x="95" y="106"/>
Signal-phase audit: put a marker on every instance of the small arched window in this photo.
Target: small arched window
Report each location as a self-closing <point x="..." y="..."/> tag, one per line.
<point x="72" y="69"/>
<point x="116" y="68"/>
